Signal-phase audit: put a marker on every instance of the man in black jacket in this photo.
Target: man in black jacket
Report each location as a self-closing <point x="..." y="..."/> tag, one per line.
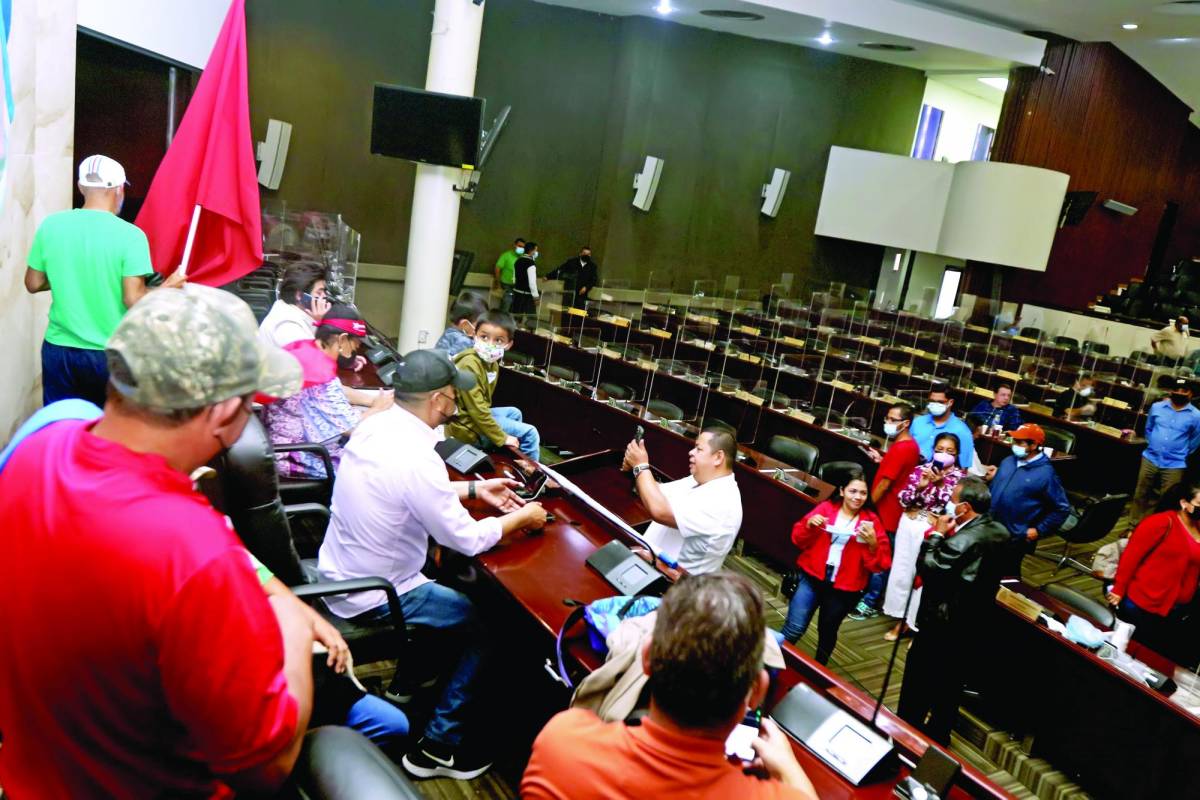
<point x="579" y="275"/>
<point x="960" y="565"/>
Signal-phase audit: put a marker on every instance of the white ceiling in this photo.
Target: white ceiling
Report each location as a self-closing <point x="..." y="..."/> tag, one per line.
<point x="1166" y="44"/>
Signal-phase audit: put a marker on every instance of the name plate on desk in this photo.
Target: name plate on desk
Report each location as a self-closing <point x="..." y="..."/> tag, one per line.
<point x="1115" y="403"/>
<point x="554" y="306"/>
<point x="646" y="363"/>
<point x="1019" y="603"/>
<point x="577" y="312"/>
<point x="702" y="343"/>
<point x="803" y="416"/>
<point x="558" y="337"/>
<point x="1024" y="339"/>
<point x="891" y="398"/>
<point x="606" y="298"/>
<point x="1012" y="376"/>
<point x="853" y="748"/>
<point x="982" y="392"/>
<point x="870" y="340"/>
<point x="1041" y="408"/>
<point x="978" y="329"/>
<point x="750" y="330"/>
<point x="749" y="359"/>
<point x="843" y="385"/>
<point x="703" y="319"/>
<point x="1107" y="429"/>
<point x="660" y="333"/>
<point x="742" y="394"/>
<point x="604" y="351"/>
<point x="650" y="306"/>
<point x="792" y="341"/>
<point x="545" y="333"/>
<point x="914" y="351"/>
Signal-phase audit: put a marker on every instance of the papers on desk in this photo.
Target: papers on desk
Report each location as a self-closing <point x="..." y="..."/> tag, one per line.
<point x="579" y="494"/>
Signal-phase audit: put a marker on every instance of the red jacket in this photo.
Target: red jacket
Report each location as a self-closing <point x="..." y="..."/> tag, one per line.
<point x="1160" y="566"/>
<point x="858" y="562"/>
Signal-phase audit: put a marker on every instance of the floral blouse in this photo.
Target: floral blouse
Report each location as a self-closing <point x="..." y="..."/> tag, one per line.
<point x="934" y="496"/>
<point x="316" y="414"/>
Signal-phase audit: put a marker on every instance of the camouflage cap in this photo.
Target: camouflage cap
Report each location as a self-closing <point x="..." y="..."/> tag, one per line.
<point x="194" y="347"/>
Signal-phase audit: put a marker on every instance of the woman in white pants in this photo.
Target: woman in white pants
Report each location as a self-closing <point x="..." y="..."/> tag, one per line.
<point x="929" y="487"/>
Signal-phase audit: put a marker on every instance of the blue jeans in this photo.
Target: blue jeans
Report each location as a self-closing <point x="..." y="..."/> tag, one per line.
<point x="512" y="423"/>
<point x="378" y="720"/>
<point x="875" y="587"/>
<point x="834" y="604"/>
<point x="73" y="372"/>
<point x="432" y="605"/>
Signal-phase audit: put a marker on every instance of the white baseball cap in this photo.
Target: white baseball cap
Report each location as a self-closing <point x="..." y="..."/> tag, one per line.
<point x="101" y="172"/>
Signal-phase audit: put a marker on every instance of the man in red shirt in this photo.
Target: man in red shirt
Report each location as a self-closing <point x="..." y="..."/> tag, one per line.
<point x="901" y="458"/>
<point x="141" y="656"/>
<point x="698" y="695"/>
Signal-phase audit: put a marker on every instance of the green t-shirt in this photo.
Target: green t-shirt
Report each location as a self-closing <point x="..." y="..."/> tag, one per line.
<point x="85" y="254"/>
<point x="504" y="266"/>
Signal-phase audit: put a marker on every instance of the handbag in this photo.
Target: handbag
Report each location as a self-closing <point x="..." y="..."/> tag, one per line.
<point x="789" y="584"/>
<point x="602" y="617"/>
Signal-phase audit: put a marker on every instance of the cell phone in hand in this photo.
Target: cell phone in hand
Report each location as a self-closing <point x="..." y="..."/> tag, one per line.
<point x="306" y="301"/>
<point x="639" y="433"/>
<point x="740" y="742"/>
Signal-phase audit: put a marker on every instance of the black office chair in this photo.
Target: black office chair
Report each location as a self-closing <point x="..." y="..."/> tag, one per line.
<point x="1092" y="610"/>
<point x="615" y="391"/>
<point x="714" y="422"/>
<point x="297" y="489"/>
<point x="773" y="398"/>
<point x="1031" y="333"/>
<point x="338" y="763"/>
<point x="1087" y="525"/>
<point x="1095" y="348"/>
<point x="823" y="415"/>
<point x="799" y="454"/>
<point x="518" y="358"/>
<point x="665" y="410"/>
<point x="838" y="473"/>
<point x="562" y="373"/>
<point x="1069" y="342"/>
<point x="247" y="491"/>
<point x="1061" y="440"/>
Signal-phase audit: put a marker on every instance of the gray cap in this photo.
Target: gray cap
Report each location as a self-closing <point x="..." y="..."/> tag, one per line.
<point x="426" y="370"/>
<point x="195" y="347"/>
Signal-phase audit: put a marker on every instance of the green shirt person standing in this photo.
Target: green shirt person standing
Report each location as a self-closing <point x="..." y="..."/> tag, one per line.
<point x="506" y="274"/>
<point x="94" y="264"/>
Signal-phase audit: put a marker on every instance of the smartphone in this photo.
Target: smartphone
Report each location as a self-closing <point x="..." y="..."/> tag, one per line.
<point x="638" y="434"/>
<point x="306" y="301"/>
<point x="533" y="486"/>
<point x="739" y="744"/>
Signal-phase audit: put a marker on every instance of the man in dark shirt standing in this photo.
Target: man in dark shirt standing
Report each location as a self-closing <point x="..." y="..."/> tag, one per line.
<point x="578" y="274"/>
<point x="960" y="567"/>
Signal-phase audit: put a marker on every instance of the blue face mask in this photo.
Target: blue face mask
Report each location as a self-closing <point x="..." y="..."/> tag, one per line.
<point x="1019" y="451"/>
<point x="519" y="251"/>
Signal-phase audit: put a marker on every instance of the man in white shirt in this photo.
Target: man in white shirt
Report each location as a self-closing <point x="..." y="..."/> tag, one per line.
<point x="391" y="496"/>
<point x="695" y="519"/>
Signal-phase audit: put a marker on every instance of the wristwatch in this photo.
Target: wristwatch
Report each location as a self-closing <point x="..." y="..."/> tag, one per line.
<point x="639" y="469"/>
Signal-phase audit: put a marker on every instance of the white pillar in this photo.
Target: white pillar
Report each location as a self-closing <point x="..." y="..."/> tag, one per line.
<point x="453" y="57"/>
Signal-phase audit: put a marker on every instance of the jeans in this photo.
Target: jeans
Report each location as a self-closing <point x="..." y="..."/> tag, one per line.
<point x="506" y="297"/>
<point x="73" y="372"/>
<point x="378" y="720"/>
<point x="834" y="605"/>
<point x="513" y="423"/>
<point x="432" y="605"/>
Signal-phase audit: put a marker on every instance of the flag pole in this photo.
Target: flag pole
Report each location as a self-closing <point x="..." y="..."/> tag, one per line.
<point x="191" y="236"/>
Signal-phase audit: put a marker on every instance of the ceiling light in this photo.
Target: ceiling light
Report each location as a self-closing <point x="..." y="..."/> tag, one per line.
<point x="995" y="83"/>
<point x="1130" y="26"/>
<point x="825" y="38"/>
<point x="664" y="7"/>
<point x="739" y="16"/>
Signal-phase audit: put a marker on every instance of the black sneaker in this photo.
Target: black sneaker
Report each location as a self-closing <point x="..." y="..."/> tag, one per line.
<point x="402" y="694"/>
<point x="429" y="759"/>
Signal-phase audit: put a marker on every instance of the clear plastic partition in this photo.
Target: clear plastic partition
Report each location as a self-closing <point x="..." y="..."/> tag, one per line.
<point x="657" y="317"/>
<point x="679" y="393"/>
<point x="700" y="325"/>
<point x="624" y="375"/>
<point x="291" y="235"/>
<point x="746" y="376"/>
<point x="569" y="364"/>
<point x="777" y="294"/>
<point x="611" y="308"/>
<point x="898" y="351"/>
<point x="853" y="409"/>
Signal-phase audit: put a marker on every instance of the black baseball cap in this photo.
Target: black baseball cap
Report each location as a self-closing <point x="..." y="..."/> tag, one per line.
<point x="426" y="370"/>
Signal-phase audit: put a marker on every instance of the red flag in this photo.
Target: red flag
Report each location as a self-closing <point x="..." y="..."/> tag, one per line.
<point x="211" y="164"/>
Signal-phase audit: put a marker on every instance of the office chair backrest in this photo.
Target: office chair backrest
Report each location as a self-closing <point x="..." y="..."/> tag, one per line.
<point x="515" y="357"/>
<point x="799" y="454"/>
<point x="1084" y="606"/>
<point x="838" y="473"/>
<point x="1031" y="333"/>
<point x="250" y="492"/>
<point x="1068" y="342"/>
<point x="665" y="410"/>
<point x="1099" y="348"/>
<point x="562" y="373"/>
<point x="1095" y="520"/>
<point x="616" y="391"/>
<point x="1061" y="440"/>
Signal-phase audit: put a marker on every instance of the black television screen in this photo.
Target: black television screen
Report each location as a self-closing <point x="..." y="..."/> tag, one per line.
<point x="425" y="126"/>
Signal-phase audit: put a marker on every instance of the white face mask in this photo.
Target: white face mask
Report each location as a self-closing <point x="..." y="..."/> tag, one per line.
<point x="937" y="409"/>
<point x="1019" y="451"/>
<point x="519" y="250"/>
<point x="490" y="352"/>
<point x="890" y="429"/>
<point x="951" y="509"/>
<point x="1085" y="391"/>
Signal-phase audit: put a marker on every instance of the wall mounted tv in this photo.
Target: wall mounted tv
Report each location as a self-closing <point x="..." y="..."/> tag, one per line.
<point x="428" y="127"/>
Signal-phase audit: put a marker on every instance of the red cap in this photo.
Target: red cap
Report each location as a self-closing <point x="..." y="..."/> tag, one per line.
<point x="1030" y="432"/>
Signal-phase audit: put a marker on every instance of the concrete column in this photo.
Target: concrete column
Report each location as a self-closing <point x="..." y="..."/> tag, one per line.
<point x="453" y="57"/>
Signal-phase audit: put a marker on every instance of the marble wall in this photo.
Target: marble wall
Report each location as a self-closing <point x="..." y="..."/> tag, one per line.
<point x="37" y="180"/>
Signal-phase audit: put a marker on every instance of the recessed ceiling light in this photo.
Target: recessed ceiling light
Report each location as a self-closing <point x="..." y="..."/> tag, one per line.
<point x="739" y="16"/>
<point x="664" y="7"/>
<point x="887" y="47"/>
<point x="995" y="83"/>
<point x="825" y="38"/>
<point x="1130" y="26"/>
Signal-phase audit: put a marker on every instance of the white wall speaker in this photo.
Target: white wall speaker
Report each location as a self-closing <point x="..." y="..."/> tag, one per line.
<point x="273" y="153"/>
<point x="645" y="183"/>
<point x="772" y="193"/>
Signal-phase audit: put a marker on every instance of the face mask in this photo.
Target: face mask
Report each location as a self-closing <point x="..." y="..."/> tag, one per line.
<point x="1179" y="399"/>
<point x="519" y="250"/>
<point x="533" y="255"/>
<point x="937" y="409"/>
<point x="1019" y="451"/>
<point x="944" y="460"/>
<point x="890" y="429"/>
<point x="951" y="509"/>
<point x="1085" y="391"/>
<point x="490" y="352"/>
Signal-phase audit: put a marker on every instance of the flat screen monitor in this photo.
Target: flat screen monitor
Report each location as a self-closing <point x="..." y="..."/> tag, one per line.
<point x="428" y="127"/>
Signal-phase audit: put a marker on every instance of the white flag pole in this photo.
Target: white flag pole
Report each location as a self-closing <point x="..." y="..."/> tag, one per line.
<point x="191" y="237"/>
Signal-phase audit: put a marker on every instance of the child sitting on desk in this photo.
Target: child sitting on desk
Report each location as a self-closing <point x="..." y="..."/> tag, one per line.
<point x="480" y="423"/>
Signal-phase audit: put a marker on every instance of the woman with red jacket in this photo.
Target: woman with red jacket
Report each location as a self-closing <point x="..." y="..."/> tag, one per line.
<point x="1158" y="573"/>
<point x="841" y="543"/>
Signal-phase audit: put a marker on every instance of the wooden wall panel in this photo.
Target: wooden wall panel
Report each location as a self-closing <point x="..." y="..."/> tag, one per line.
<point x="1117" y="131"/>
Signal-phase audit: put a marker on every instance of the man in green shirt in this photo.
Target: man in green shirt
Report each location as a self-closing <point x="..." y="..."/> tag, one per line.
<point x="506" y="275"/>
<point x="95" y="264"/>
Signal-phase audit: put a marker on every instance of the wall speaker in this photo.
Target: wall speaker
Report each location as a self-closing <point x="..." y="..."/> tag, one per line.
<point x="273" y="153"/>
<point x="645" y="183"/>
<point x="1120" y="208"/>
<point x="772" y="193"/>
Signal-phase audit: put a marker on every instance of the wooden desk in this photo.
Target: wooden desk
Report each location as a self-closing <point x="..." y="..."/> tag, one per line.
<point x="1115" y="735"/>
<point x="537" y="571"/>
